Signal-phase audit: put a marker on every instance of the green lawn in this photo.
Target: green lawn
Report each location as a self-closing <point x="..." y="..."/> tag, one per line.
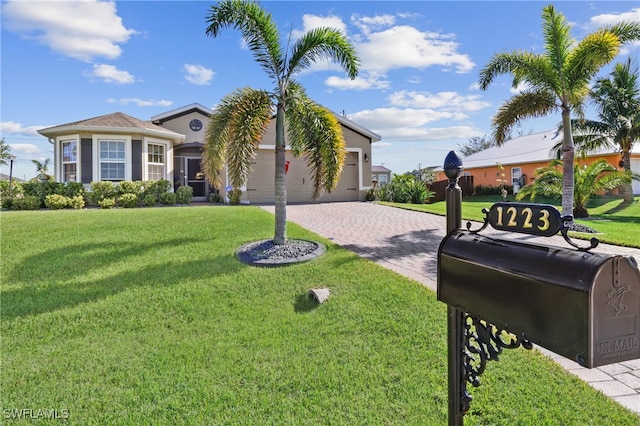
<point x="615" y="225"/>
<point x="144" y="316"/>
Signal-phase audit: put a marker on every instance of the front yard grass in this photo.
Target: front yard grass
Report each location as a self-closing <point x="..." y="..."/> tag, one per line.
<point x="144" y="316"/>
<point x="615" y="225"/>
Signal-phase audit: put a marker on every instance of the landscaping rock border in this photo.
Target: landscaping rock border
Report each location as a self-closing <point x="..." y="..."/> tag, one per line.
<point x="266" y="253"/>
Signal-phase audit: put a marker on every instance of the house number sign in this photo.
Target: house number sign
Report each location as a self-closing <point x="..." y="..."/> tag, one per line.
<point x="536" y="219"/>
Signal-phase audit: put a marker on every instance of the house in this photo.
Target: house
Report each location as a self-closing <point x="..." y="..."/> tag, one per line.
<point x="119" y="147"/>
<point x="380" y="175"/>
<point x="515" y="162"/>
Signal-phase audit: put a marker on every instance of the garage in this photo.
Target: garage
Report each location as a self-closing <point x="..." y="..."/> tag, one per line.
<point x="260" y="183"/>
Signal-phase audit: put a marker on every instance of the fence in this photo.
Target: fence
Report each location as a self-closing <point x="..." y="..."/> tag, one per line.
<point x="465" y="182"/>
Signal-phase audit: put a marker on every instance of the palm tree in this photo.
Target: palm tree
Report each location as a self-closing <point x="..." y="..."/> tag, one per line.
<point x="589" y="180"/>
<point x="617" y="100"/>
<point x="242" y="117"/>
<point x="556" y="80"/>
<point x="42" y="167"/>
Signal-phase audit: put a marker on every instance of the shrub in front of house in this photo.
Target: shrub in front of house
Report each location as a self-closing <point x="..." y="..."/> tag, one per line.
<point x="73" y="189"/>
<point x="107" y="203"/>
<point x="491" y="190"/>
<point x="102" y="190"/>
<point x="16" y="189"/>
<point x="167" y="198"/>
<point x="234" y="197"/>
<point x="76" y="202"/>
<point x="40" y="190"/>
<point x="149" y="200"/>
<point x="371" y="194"/>
<point x="56" y="201"/>
<point x="28" y="202"/>
<point x="157" y="187"/>
<point x="128" y="200"/>
<point x="184" y="194"/>
<point x="418" y="192"/>
<point x="214" y="197"/>
<point x="131" y="187"/>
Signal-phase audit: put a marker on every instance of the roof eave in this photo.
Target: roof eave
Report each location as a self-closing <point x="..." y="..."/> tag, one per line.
<point x="58" y="131"/>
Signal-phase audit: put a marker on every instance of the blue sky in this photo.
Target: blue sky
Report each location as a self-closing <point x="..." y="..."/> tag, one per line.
<point x="420" y="61"/>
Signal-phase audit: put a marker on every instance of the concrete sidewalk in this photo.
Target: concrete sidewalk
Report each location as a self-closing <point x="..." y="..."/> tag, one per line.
<point x="407" y="243"/>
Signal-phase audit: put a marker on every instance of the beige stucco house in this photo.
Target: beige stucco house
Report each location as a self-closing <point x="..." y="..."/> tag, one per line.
<point x="119" y="147"/>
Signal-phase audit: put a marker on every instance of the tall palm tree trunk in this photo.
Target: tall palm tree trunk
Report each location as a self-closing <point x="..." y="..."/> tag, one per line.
<point x="568" y="155"/>
<point x="280" y="235"/>
<point x="628" y="187"/>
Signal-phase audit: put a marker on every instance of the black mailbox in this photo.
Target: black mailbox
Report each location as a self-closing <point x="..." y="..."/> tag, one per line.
<point x="582" y="305"/>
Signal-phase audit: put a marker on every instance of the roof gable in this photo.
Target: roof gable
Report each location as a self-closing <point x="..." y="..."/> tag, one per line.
<point x="179" y="112"/>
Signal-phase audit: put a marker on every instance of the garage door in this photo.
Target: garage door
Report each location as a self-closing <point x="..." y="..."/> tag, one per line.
<point x="260" y="184"/>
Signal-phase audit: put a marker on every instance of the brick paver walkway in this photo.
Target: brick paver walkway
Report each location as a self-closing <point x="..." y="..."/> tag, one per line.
<point x="407" y="243"/>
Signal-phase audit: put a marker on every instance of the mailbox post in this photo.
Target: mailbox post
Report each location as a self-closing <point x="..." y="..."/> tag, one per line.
<point x="459" y="398"/>
<point x="503" y="294"/>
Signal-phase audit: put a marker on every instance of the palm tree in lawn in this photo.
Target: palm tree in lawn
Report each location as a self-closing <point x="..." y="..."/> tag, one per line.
<point x="243" y="116"/>
<point x="617" y="100"/>
<point x="556" y="80"/>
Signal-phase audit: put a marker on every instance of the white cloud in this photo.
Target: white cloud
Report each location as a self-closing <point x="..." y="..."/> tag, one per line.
<point x="359" y="83"/>
<point x="425" y="134"/>
<point x="197" y="74"/>
<point x="366" y="24"/>
<point x="599" y="21"/>
<point x="407" y="47"/>
<point x="13" y="128"/>
<point x="387" y="118"/>
<point x="22" y="149"/>
<point x="140" y="102"/>
<point x="110" y="74"/>
<point x="443" y="100"/>
<point x="310" y="22"/>
<point x="78" y="29"/>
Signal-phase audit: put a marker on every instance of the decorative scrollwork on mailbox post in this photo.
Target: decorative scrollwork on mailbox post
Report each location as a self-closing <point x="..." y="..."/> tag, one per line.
<point x="484" y="342"/>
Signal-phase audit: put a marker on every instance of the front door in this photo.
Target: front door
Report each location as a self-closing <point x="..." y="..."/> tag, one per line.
<point x="192" y="175"/>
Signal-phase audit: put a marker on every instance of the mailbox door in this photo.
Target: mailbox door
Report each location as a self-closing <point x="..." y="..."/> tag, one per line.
<point x="615" y="306"/>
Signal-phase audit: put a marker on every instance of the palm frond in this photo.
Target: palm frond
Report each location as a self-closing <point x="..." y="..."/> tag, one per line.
<point x="234" y="135"/>
<point x="627" y="31"/>
<point x="557" y="37"/>
<point x="315" y="132"/>
<point x="523" y="105"/>
<point x="323" y="43"/>
<point x="257" y="28"/>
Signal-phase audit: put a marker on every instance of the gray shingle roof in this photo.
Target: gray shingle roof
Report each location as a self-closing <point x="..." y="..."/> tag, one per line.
<point x="531" y="148"/>
<point x="115" y="122"/>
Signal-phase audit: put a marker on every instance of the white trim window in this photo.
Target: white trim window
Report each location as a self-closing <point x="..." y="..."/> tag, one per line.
<point x="156" y="161"/>
<point x="69" y="155"/>
<point x="112" y="159"/>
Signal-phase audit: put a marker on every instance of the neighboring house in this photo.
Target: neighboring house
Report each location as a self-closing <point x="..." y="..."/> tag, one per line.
<point x="119" y="147"/>
<point x="380" y="175"/>
<point x="516" y="160"/>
